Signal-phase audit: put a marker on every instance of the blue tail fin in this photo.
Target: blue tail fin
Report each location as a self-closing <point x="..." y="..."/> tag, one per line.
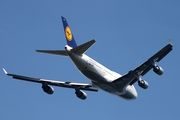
<point x="68" y="34"/>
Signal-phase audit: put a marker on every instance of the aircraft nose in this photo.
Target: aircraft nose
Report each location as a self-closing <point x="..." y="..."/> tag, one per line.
<point x="130" y="94"/>
<point x="133" y="92"/>
<point x="135" y="95"/>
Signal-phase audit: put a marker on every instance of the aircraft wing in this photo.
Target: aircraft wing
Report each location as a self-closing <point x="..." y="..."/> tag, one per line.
<point x="82" y="86"/>
<point x="131" y="77"/>
<point x="146" y="66"/>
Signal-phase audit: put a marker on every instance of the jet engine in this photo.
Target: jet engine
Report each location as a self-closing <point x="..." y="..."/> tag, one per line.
<point x="158" y="70"/>
<point x="143" y="84"/>
<point x="48" y="89"/>
<point x="81" y="94"/>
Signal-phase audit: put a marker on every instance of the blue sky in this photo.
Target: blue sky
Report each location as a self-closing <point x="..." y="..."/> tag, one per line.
<point x="127" y="33"/>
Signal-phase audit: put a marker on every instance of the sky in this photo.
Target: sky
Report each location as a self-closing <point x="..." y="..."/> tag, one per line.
<point x="127" y="33"/>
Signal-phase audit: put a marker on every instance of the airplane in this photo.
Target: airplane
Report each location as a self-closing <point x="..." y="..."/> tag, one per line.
<point x="101" y="77"/>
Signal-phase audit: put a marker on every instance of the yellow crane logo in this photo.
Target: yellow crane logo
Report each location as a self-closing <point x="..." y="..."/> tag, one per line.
<point x="68" y="33"/>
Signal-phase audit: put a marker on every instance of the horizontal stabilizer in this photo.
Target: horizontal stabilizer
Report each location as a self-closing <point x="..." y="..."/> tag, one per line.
<point x="83" y="48"/>
<point x="77" y="50"/>
<point x="56" y="52"/>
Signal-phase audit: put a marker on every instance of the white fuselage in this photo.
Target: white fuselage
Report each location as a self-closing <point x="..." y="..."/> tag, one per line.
<point x="100" y="76"/>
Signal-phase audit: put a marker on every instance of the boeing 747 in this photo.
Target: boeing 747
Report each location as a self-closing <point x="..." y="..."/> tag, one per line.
<point x="101" y="78"/>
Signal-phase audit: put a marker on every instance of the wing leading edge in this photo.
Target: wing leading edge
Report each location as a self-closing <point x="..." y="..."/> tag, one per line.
<point x="82" y="86"/>
<point x="133" y="76"/>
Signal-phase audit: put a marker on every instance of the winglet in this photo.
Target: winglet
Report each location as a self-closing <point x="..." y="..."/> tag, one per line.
<point x="5" y="71"/>
<point x="170" y="41"/>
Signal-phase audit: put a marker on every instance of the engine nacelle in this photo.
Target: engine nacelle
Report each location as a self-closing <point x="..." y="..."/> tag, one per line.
<point x="48" y="89"/>
<point x="158" y="70"/>
<point x="81" y="94"/>
<point x="143" y="84"/>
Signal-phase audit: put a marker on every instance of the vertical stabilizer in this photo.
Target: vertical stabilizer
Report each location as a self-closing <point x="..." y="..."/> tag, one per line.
<point x="68" y="34"/>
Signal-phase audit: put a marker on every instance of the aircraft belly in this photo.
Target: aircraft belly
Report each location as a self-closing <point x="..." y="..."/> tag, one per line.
<point x="127" y="96"/>
<point x="128" y="93"/>
<point x="95" y="77"/>
<point x="98" y="78"/>
<point x="87" y="69"/>
<point x="106" y="87"/>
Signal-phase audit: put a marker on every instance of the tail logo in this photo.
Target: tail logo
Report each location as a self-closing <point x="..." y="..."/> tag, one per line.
<point x="68" y="33"/>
